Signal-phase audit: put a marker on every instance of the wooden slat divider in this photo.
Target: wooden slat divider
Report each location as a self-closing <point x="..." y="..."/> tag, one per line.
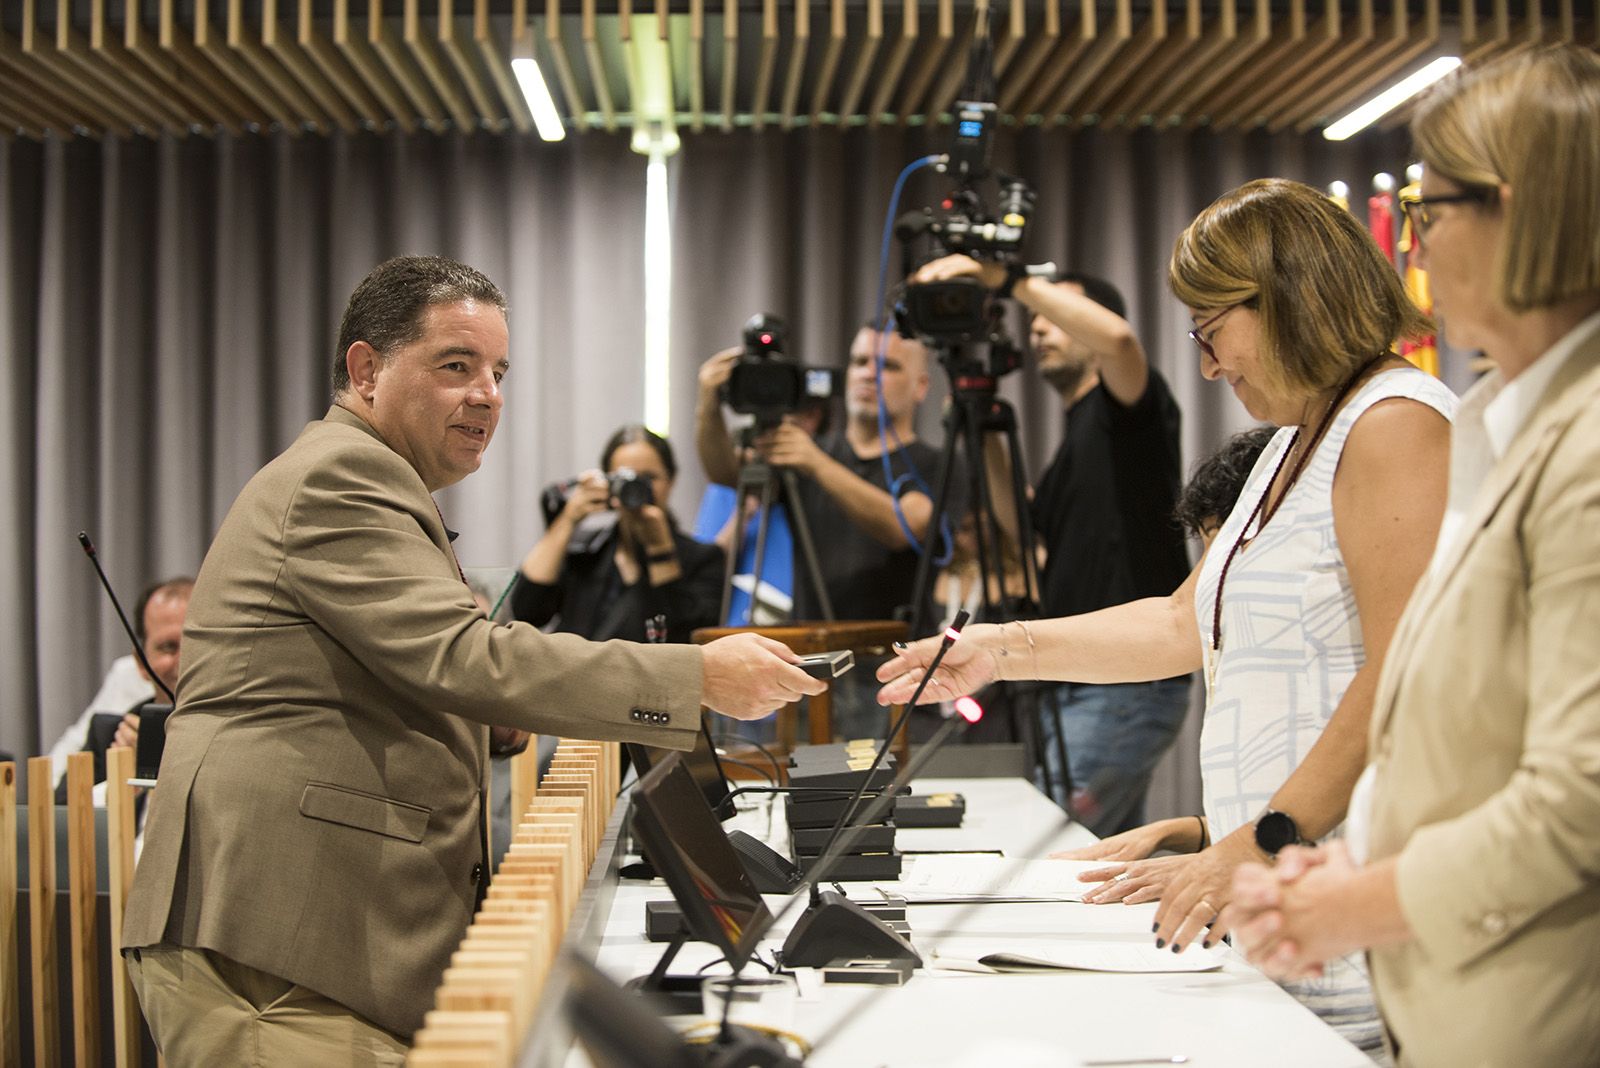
<point x="871" y="41"/>
<point x="127" y="1023"/>
<point x="1008" y="40"/>
<point x="766" y="62"/>
<point x="496" y="60"/>
<point x="1094" y="60"/>
<point x="55" y="68"/>
<point x="286" y="49"/>
<point x="697" y="66"/>
<point x="211" y="97"/>
<point x="1042" y="69"/>
<point x="1186" y="49"/>
<point x="1189" y="103"/>
<point x="398" y="61"/>
<point x="1361" y="46"/>
<point x="245" y="41"/>
<point x="426" y="54"/>
<point x="730" y="60"/>
<point x="934" y="49"/>
<point x="1286" y="66"/>
<point x="481" y="92"/>
<point x="796" y="73"/>
<point x="357" y="52"/>
<point x="338" y="72"/>
<point x="10" y="976"/>
<point x="82" y="887"/>
<point x="889" y="75"/>
<point x="268" y="105"/>
<point x="46" y="964"/>
<point x="74" y="48"/>
<point x="829" y="68"/>
<point x="58" y="111"/>
<point x="597" y="67"/>
<point x="107" y="49"/>
<point x="1134" y="57"/>
<point x="1349" y="93"/>
<point x="556" y="47"/>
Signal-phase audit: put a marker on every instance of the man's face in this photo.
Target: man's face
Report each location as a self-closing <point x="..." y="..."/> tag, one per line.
<point x="437" y="400"/>
<point x="905" y="376"/>
<point x="1064" y="361"/>
<point x="163" y="634"/>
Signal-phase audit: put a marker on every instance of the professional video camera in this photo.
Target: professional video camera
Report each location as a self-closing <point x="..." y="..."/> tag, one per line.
<point x="767" y="384"/>
<point x="957" y="311"/>
<point x="626" y="486"/>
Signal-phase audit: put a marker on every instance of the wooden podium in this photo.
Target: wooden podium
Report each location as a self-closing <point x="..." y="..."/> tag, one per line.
<point x="864" y="637"/>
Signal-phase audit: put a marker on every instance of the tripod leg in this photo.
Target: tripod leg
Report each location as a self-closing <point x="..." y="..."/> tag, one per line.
<point x="808" y="549"/>
<point x="920" y="588"/>
<point x="765" y="517"/>
<point x="732" y="563"/>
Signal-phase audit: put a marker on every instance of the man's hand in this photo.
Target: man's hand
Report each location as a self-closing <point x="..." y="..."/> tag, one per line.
<point x="988" y="273"/>
<point x="507" y="741"/>
<point x="714" y="374"/>
<point x="787" y="445"/>
<point x="747" y="676"/>
<point x="969" y="666"/>
<point x="127" y="732"/>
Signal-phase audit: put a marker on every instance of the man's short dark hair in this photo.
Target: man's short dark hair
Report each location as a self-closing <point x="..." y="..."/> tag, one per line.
<point x="1216" y="482"/>
<point x="165" y="588"/>
<point x="388" y="306"/>
<point x="1096" y="289"/>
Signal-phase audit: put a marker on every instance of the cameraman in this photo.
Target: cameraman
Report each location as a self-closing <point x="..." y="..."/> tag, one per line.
<point x="867" y="564"/>
<point x="1103" y="510"/>
<point x="606" y="569"/>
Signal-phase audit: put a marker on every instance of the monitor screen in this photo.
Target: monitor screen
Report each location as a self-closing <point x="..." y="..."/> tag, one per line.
<point x="691" y="851"/>
<point x="703" y="766"/>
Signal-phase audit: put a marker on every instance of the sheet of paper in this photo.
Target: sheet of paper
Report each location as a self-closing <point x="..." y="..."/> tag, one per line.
<point x="1038" y="955"/>
<point x="977" y="876"/>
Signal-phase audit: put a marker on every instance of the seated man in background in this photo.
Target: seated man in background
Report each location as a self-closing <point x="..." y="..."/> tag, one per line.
<point x="158" y="624"/>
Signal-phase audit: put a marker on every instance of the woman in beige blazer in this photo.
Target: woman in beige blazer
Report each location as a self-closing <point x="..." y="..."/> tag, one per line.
<point x="1479" y="890"/>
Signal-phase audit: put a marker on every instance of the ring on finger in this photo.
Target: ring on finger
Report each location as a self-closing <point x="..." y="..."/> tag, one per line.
<point x="1119" y="877"/>
<point x="1206" y="905"/>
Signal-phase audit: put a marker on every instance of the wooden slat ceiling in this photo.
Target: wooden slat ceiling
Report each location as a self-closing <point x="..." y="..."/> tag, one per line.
<point x="89" y="68"/>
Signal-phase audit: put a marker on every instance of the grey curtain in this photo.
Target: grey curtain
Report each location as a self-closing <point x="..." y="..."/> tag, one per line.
<point x="169" y="307"/>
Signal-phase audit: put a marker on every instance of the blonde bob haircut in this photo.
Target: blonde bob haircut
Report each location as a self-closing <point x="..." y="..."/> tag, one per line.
<point x="1532" y="122"/>
<point x="1328" y="300"/>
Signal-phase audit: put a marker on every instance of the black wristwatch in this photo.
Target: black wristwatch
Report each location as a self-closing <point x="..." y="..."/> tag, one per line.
<point x="1274" y="830"/>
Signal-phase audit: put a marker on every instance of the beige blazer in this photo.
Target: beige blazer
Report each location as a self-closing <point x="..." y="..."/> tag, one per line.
<point x="1486" y="737"/>
<point x="320" y="813"/>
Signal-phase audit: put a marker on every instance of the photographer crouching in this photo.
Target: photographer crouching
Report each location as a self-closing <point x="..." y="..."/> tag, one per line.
<point x="612" y="563"/>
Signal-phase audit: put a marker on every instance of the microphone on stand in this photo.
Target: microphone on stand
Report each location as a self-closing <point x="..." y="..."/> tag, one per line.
<point x="152" y="716"/>
<point x="833" y="926"/>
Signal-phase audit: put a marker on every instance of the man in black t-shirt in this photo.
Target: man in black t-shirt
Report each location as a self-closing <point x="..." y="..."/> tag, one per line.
<point x="1104" y="513"/>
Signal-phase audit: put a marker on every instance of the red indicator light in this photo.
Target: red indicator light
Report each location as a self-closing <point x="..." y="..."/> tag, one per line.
<point x="970" y="710"/>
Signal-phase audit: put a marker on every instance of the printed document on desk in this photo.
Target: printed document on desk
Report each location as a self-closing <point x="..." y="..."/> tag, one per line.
<point x="962" y="877"/>
<point x="1031" y="955"/>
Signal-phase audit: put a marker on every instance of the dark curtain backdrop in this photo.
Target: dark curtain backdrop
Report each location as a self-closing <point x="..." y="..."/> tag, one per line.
<point x="169" y="307"/>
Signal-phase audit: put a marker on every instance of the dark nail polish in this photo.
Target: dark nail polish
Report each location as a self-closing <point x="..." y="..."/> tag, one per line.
<point x="1176" y="948"/>
<point x="1154" y="927"/>
<point x="1161" y="943"/>
<point x="1206" y="944"/>
<point x="902" y="646"/>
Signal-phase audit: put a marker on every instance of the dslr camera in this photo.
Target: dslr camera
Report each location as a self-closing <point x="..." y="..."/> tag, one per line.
<point x="769" y="385"/>
<point x="626" y="486"/>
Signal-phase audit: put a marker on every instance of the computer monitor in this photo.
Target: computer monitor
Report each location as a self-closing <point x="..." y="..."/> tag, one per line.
<point x="703" y="765"/>
<point x="689" y="848"/>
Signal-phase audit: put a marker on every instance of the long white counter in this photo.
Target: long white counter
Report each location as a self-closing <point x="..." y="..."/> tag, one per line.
<point x="1233" y="1018"/>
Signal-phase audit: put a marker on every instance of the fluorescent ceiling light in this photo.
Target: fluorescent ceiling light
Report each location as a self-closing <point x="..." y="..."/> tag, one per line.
<point x="1391" y="98"/>
<point x="537" y="94"/>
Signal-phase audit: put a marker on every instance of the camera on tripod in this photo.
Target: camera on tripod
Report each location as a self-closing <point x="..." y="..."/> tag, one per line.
<point x="626" y="486"/>
<point x="769" y="385"/>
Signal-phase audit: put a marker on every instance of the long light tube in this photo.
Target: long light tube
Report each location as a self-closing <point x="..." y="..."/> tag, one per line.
<point x="534" y="90"/>
<point x="1390" y="98"/>
<point x="657" y="296"/>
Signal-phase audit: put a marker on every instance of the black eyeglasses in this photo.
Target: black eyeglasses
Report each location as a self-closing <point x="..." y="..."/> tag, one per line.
<point x="1417" y="208"/>
<point x="1198" y="334"/>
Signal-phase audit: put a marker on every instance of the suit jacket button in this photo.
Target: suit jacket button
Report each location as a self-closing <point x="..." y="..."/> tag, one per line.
<point x="477" y="873"/>
<point x="1495" y="923"/>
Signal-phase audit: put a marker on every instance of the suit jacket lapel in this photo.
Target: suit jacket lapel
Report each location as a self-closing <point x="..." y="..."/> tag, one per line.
<point x="1571" y="389"/>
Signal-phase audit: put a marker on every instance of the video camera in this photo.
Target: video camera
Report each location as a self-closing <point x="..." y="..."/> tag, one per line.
<point x="767" y="384"/>
<point x="626" y="486"/>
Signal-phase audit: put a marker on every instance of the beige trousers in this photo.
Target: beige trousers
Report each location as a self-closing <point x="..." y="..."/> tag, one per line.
<point x="206" y="1010"/>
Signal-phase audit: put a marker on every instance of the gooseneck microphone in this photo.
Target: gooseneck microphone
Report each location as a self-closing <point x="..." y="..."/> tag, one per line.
<point x="138" y="646"/>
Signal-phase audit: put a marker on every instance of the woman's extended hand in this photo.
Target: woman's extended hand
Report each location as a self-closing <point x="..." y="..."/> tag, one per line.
<point x="1129" y="845"/>
<point x="1193" y="902"/>
<point x="969" y="666"/>
<point x="1136" y="882"/>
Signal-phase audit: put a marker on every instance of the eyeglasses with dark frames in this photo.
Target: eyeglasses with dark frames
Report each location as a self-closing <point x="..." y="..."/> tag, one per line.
<point x="1198" y="334"/>
<point x="1418" y="211"/>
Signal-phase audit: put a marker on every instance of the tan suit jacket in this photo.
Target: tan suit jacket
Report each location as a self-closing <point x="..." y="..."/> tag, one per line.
<point x="320" y="813"/>
<point x="1486" y="737"/>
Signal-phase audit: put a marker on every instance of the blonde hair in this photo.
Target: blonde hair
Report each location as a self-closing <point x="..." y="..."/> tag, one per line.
<point x="1328" y="300"/>
<point x="1532" y="122"/>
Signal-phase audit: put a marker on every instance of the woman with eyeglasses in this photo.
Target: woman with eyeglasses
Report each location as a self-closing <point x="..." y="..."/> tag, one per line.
<point x="1291" y="608"/>
<point x="612" y="562"/>
<point x="1472" y="873"/>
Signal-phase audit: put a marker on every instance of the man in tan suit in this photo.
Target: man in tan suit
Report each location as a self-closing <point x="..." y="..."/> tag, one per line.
<point x="316" y="846"/>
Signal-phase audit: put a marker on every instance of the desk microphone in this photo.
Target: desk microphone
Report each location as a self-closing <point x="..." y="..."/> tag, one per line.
<point x="833" y="925"/>
<point x="138" y="646"/>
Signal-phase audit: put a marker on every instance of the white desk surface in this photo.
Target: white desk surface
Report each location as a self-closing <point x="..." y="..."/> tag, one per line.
<point x="1233" y="1018"/>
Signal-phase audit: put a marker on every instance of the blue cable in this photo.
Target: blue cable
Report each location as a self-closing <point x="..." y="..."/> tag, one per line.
<point x="885" y="431"/>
